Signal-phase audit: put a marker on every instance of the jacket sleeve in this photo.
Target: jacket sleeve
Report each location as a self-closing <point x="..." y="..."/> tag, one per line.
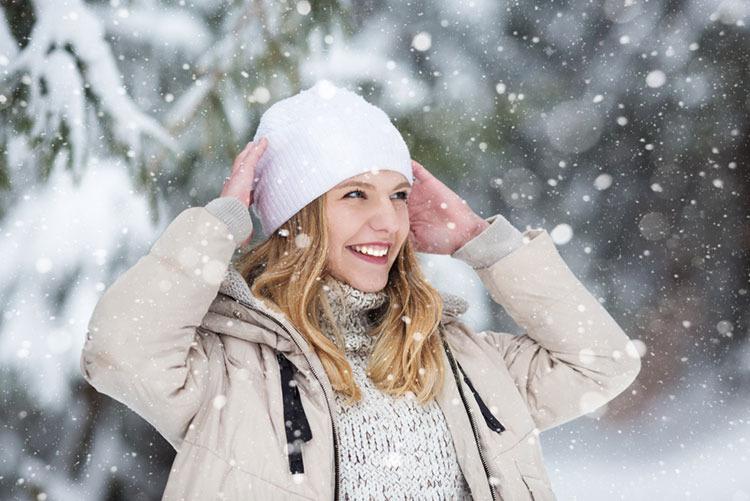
<point x="143" y="347"/>
<point x="572" y="357"/>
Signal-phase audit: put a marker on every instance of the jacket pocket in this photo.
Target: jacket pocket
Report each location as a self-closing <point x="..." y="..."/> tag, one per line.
<point x="538" y="487"/>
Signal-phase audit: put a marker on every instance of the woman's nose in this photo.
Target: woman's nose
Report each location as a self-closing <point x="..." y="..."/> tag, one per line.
<point x="384" y="217"/>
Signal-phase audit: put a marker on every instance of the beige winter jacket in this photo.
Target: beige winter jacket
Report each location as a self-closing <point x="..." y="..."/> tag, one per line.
<point x="202" y="367"/>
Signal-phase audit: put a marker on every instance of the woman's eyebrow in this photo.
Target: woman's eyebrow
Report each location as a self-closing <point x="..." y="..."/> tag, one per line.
<point x="371" y="186"/>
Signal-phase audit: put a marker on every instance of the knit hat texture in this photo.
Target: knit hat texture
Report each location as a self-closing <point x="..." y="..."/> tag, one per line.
<point x="317" y="139"/>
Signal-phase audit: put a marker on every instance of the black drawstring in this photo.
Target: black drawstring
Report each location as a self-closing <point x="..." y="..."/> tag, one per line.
<point x="298" y="428"/>
<point x="295" y="421"/>
<point x="491" y="420"/>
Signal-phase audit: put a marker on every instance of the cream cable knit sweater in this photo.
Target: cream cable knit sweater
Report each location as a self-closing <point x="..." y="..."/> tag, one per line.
<point x="390" y="448"/>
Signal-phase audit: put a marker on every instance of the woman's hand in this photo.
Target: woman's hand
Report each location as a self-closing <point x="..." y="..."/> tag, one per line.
<point x="240" y="181"/>
<point x="441" y="221"/>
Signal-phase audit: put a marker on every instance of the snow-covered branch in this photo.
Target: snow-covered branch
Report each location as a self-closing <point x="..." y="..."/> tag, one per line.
<point x="68" y="66"/>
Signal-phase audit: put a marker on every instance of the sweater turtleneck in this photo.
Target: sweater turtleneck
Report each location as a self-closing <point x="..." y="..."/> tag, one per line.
<point x="390" y="447"/>
<point x="355" y="313"/>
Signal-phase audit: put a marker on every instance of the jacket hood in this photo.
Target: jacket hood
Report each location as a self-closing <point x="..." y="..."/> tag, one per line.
<point x="275" y="329"/>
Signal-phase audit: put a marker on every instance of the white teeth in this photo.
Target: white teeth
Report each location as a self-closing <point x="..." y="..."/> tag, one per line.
<point x="371" y="250"/>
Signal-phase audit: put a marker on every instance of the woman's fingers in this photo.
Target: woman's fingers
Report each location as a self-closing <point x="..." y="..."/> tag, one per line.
<point x="420" y="173"/>
<point x="250" y="162"/>
<point x="261" y="146"/>
<point x="249" y="156"/>
<point x="241" y="157"/>
<point x="240" y="181"/>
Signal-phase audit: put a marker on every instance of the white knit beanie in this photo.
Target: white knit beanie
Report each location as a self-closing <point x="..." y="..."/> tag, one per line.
<point x="316" y="139"/>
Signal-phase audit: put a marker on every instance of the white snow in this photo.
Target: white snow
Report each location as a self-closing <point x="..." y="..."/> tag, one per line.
<point x="72" y="23"/>
<point x="700" y="451"/>
<point x="636" y="348"/>
<point x="725" y="328"/>
<point x="422" y="41"/>
<point x="656" y="79"/>
<point x="654" y="226"/>
<point x="172" y="29"/>
<point x="367" y="55"/>
<point x="602" y="182"/>
<point x="8" y="48"/>
<point x="622" y="11"/>
<point x="56" y="243"/>
<point x="561" y="234"/>
<point x="304" y="7"/>
<point x="731" y="12"/>
<point x="64" y="103"/>
<point x="302" y="240"/>
<point x="219" y="402"/>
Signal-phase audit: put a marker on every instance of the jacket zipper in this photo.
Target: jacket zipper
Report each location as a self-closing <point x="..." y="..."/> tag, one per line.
<point x="452" y="362"/>
<point x="328" y="402"/>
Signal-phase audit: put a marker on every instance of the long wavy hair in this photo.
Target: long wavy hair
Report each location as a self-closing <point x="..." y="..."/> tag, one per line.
<point x="288" y="272"/>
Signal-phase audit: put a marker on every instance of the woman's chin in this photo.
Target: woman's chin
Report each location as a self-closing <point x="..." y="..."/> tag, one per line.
<point x="370" y="289"/>
<point x="372" y="285"/>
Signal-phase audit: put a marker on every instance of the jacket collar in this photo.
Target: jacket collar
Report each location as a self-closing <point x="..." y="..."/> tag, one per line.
<point x="234" y="289"/>
<point x="238" y="313"/>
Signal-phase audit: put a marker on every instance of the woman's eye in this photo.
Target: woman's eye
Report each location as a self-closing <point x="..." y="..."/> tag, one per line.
<point x="401" y="195"/>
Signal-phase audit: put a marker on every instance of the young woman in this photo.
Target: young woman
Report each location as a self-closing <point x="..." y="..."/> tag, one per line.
<point x="323" y="365"/>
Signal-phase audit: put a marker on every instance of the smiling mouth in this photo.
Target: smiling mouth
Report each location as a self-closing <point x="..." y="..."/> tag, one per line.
<point x="370" y="250"/>
<point x="377" y="254"/>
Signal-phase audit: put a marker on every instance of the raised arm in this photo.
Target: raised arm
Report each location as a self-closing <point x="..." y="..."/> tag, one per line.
<point x="573" y="357"/>
<point x="144" y="347"/>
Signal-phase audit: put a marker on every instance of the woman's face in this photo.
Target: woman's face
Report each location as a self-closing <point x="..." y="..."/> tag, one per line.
<point x="368" y="223"/>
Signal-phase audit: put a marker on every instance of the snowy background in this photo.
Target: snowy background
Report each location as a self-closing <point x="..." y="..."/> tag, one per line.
<point x="621" y="126"/>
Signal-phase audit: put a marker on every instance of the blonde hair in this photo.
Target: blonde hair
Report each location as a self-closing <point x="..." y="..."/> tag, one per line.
<point x="288" y="271"/>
